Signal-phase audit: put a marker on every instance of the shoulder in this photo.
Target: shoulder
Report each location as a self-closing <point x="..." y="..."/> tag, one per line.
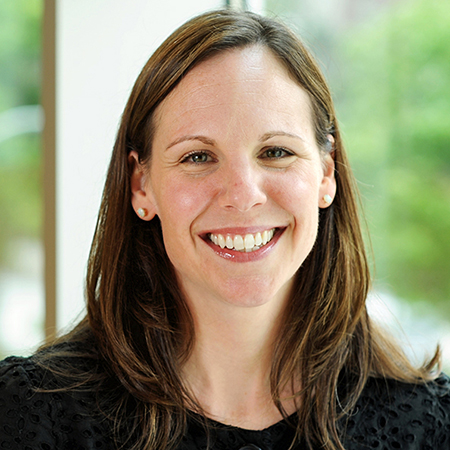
<point x="392" y="414"/>
<point x="33" y="416"/>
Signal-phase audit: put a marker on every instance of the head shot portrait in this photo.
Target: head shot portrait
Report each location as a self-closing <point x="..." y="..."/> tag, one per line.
<point x="228" y="276"/>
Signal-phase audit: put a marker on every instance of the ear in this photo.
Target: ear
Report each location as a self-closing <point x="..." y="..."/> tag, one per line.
<point x="327" y="190"/>
<point x="142" y="198"/>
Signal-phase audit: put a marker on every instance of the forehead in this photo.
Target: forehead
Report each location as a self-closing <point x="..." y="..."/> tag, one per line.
<point x="238" y="79"/>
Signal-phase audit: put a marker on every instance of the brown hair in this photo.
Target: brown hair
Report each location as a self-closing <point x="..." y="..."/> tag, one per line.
<point x="136" y="313"/>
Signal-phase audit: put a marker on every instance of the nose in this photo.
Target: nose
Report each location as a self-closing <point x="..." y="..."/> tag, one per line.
<point x="242" y="187"/>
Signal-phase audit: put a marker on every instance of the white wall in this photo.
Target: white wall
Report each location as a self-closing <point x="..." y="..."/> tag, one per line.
<point x="101" y="45"/>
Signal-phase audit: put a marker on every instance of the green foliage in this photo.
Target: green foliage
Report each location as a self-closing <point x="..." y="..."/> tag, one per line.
<point x="20" y="190"/>
<point x="20" y="46"/>
<point x="396" y="117"/>
<point x="20" y="156"/>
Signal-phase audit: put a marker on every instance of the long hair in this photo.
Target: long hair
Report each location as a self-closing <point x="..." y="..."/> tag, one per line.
<point x="136" y="314"/>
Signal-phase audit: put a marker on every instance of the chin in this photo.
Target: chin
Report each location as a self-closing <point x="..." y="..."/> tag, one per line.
<point x="256" y="294"/>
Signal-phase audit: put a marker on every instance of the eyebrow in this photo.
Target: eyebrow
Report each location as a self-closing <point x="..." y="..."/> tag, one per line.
<point x="204" y="139"/>
<point x="267" y="136"/>
<point x="212" y="142"/>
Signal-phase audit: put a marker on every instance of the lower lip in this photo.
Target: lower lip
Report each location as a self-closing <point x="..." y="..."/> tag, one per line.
<point x="235" y="256"/>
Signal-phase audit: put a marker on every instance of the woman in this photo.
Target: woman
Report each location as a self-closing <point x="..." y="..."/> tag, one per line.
<point x="227" y="278"/>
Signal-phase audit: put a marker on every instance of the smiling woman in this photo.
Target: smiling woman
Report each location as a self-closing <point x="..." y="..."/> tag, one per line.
<point x="233" y="155"/>
<point x="227" y="279"/>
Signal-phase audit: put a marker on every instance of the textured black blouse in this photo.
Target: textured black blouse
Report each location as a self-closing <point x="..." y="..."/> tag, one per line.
<point x="389" y="415"/>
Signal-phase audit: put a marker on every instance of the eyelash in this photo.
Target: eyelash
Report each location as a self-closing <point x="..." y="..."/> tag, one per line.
<point x="188" y="158"/>
<point x="286" y="153"/>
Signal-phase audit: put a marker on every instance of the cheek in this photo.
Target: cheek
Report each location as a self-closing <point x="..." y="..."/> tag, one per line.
<point x="296" y="193"/>
<point x="180" y="202"/>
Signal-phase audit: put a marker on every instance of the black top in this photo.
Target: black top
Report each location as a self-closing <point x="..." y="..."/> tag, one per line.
<point x="389" y="415"/>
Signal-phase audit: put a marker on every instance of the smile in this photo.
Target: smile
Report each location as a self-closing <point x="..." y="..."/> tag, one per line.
<point x="246" y="244"/>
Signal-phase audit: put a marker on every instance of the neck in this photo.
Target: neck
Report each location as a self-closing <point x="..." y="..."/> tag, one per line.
<point x="229" y="368"/>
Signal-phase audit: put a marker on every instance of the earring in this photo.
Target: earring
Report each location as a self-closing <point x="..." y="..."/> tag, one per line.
<point x="327" y="199"/>
<point x="142" y="212"/>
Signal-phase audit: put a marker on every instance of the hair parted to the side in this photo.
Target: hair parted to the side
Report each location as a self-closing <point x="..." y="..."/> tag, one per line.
<point x="136" y="313"/>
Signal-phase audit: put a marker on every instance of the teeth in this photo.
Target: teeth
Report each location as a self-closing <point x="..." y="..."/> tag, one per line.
<point x="264" y="237"/>
<point x="247" y="243"/>
<point x="238" y="242"/>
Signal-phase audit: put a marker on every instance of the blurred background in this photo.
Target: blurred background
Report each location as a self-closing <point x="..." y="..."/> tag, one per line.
<point x="21" y="193"/>
<point x="388" y="64"/>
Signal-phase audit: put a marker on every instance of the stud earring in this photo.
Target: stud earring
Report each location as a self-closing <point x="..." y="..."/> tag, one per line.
<point x="327" y="199"/>
<point x="142" y="212"/>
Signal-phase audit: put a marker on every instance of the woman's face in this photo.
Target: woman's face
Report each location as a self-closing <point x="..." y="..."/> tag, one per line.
<point x="236" y="179"/>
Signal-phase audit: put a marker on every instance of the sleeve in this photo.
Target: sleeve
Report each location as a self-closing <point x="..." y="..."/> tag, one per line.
<point x="394" y="415"/>
<point x="25" y="415"/>
<point x="440" y="416"/>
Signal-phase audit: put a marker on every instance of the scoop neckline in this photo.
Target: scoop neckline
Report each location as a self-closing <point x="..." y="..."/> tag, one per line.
<point x="204" y="419"/>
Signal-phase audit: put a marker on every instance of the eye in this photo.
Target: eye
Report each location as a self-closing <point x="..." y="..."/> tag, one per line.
<point x="275" y="153"/>
<point x="197" y="158"/>
<point x="276" y="157"/>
